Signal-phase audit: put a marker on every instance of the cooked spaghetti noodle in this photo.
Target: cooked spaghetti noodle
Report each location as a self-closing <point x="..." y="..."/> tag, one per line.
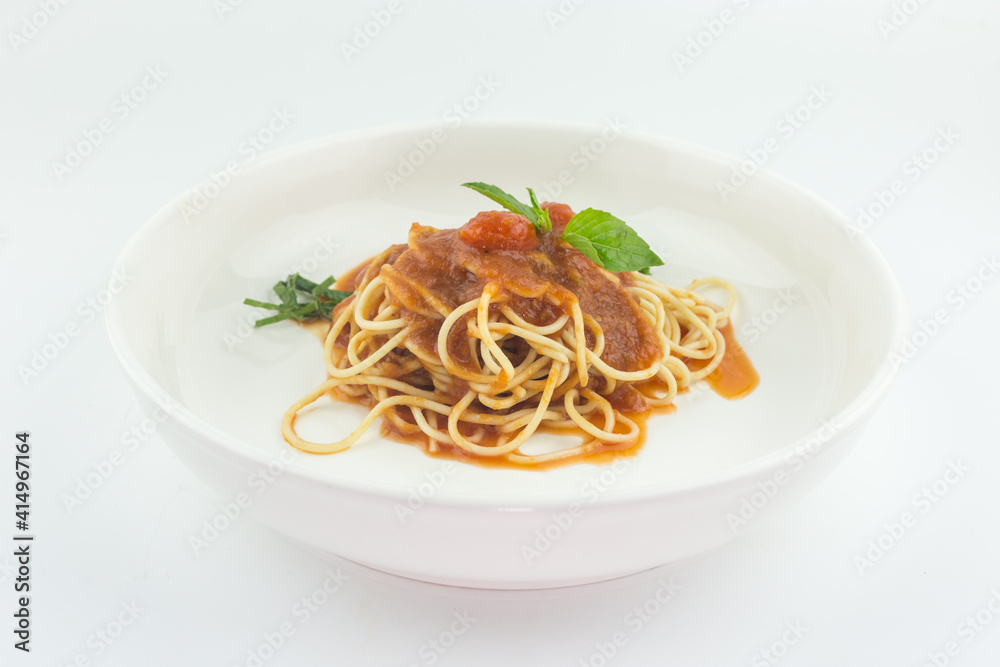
<point x="471" y="350"/>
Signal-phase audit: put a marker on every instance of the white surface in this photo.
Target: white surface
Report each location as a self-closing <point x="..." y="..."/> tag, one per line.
<point x="889" y="97"/>
<point x="841" y="309"/>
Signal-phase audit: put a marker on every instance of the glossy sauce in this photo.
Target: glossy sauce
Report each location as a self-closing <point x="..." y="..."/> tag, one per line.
<point x="735" y="376"/>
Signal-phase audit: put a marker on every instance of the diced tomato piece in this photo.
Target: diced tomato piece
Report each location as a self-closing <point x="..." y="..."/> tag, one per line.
<point x="499" y="230"/>
<point x="559" y="214"/>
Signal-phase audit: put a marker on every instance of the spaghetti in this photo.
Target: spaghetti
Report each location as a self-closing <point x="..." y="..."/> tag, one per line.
<point x="469" y="347"/>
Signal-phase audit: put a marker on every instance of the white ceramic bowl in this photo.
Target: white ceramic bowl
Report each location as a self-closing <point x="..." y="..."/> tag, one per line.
<point x="819" y="315"/>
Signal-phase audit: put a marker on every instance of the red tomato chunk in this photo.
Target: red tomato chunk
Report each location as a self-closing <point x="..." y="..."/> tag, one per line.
<point x="559" y="214"/>
<point x="499" y="230"/>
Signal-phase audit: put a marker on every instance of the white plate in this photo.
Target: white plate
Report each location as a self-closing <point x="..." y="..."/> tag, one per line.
<point x="819" y="314"/>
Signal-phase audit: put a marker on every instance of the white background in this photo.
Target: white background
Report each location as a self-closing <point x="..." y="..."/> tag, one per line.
<point x="226" y="71"/>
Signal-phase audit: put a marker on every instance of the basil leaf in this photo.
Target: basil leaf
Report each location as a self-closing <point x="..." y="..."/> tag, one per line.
<point x="583" y="244"/>
<point x="609" y="242"/>
<point x="544" y="222"/>
<point x="509" y="202"/>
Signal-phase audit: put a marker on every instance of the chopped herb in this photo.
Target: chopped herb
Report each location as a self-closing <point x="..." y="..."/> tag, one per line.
<point x="319" y="304"/>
